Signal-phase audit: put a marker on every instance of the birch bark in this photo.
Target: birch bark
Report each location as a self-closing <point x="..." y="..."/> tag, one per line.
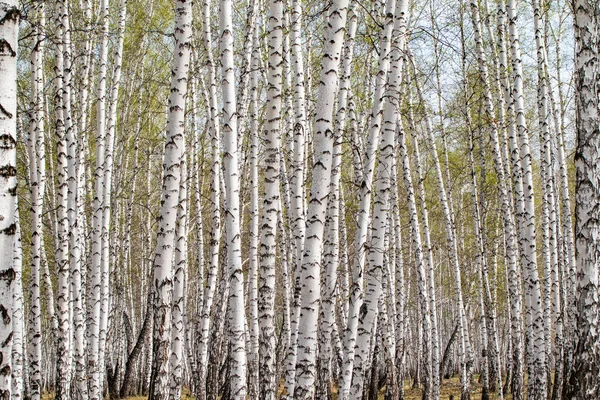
<point x="172" y="170"/>
<point x="236" y="308"/>
<point x="37" y="180"/>
<point x="321" y="179"/>
<point x="366" y="188"/>
<point x="95" y="370"/>
<point x="272" y="180"/>
<point x="419" y="262"/>
<point x="582" y="382"/>
<point x="534" y="317"/>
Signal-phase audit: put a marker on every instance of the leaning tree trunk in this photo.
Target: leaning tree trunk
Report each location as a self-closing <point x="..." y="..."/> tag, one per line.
<point x="315" y="217"/>
<point x="364" y="211"/>
<point x="376" y="248"/>
<point x="163" y="259"/>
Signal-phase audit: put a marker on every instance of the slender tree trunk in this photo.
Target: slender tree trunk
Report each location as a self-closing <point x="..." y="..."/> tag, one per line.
<point x="419" y="262"/>
<point x="63" y="129"/>
<point x="549" y="240"/>
<point x="536" y="387"/>
<point x="435" y="351"/>
<point x="95" y="370"/>
<point x="37" y="157"/>
<point x="582" y="383"/>
<point x="376" y="247"/>
<point x="107" y="238"/>
<point x="272" y="176"/>
<point x="321" y="180"/>
<point x="510" y="226"/>
<point x="253" y="353"/>
<point x="17" y="356"/>
<point x="297" y="186"/>
<point x="466" y="352"/>
<point x="364" y="214"/>
<point x="176" y="359"/>
<point x="172" y="167"/>
<point x="215" y="233"/>
<point x="236" y="310"/>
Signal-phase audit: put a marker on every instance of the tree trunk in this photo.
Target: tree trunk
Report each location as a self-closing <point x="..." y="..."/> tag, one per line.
<point x="582" y="382"/>
<point x="237" y="383"/>
<point x="315" y="216"/>
<point x="172" y="167"/>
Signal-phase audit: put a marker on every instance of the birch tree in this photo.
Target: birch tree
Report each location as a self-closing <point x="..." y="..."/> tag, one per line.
<point x="533" y="301"/>
<point x="97" y="279"/>
<point x="172" y="166"/>
<point x="236" y="307"/>
<point x="37" y="178"/>
<point x="9" y="15"/>
<point x="215" y="233"/>
<point x="268" y="246"/>
<point x="63" y="130"/>
<point x="315" y="215"/>
<point x="363" y="220"/>
<point x="582" y="382"/>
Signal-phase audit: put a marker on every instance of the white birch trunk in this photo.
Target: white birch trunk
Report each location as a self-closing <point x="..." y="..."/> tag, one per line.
<point x="215" y="233"/>
<point x="321" y="180"/>
<point x="172" y="167"/>
<point x="510" y="230"/>
<point x="37" y="157"/>
<point x="364" y="215"/>
<point x="107" y="183"/>
<point x="374" y="273"/>
<point x="506" y="207"/>
<point x="63" y="128"/>
<point x="297" y="187"/>
<point x="417" y="250"/>
<point x="253" y="353"/>
<point x="236" y="309"/>
<point x="95" y="370"/>
<point x="17" y="356"/>
<point x="465" y="348"/>
<point x="536" y="355"/>
<point x="272" y="178"/>
<point x="549" y="242"/>
<point x="331" y="261"/>
<point x="582" y="382"/>
<point x="176" y="359"/>
<point x="435" y="347"/>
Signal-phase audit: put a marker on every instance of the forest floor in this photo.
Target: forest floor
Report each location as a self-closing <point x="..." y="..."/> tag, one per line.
<point x="450" y="387"/>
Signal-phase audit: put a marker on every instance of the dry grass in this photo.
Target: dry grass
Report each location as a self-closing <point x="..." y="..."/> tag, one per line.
<point x="450" y="387"/>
